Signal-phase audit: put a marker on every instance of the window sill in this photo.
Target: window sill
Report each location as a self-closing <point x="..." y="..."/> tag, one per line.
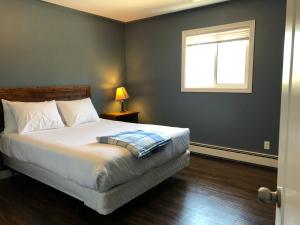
<point x="217" y="90"/>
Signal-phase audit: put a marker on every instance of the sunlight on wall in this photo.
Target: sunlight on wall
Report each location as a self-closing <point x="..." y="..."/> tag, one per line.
<point x="108" y="80"/>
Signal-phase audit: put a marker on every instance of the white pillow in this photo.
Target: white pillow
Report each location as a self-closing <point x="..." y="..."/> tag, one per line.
<point x="77" y="112"/>
<point x="10" y="125"/>
<point x="34" y="116"/>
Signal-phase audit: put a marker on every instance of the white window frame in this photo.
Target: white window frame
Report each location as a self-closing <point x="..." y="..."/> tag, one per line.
<point x="247" y="88"/>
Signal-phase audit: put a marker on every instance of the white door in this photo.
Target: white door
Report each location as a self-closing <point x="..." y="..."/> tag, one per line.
<point x="289" y="141"/>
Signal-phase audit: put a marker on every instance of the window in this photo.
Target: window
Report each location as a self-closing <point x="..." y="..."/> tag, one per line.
<point x="218" y="59"/>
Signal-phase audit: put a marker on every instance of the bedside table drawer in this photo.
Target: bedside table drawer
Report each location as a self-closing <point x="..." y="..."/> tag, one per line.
<point x="131" y="117"/>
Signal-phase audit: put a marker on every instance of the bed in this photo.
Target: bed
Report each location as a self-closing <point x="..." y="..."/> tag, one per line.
<point x="70" y="159"/>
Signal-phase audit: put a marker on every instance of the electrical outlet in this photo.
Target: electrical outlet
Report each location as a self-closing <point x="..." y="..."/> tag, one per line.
<point x="267" y="145"/>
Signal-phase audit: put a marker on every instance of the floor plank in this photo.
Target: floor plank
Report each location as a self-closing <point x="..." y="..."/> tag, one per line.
<point x="208" y="192"/>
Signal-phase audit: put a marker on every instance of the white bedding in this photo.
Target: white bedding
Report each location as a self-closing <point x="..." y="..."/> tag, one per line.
<point x="73" y="152"/>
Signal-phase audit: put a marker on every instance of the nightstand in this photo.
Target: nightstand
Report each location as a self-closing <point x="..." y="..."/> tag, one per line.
<point x="132" y="117"/>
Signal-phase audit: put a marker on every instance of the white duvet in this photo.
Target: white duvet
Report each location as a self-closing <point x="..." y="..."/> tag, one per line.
<point x="73" y="152"/>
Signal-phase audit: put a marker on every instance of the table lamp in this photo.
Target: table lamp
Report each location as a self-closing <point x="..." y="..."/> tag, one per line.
<point x="121" y="95"/>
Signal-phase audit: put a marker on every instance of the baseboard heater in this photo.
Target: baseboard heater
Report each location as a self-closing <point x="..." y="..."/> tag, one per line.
<point x="235" y="154"/>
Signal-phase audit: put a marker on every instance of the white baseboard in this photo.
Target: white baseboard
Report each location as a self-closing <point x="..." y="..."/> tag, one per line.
<point x="234" y="154"/>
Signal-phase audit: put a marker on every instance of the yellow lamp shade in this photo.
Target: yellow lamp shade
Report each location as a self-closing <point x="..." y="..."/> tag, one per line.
<point x="121" y="94"/>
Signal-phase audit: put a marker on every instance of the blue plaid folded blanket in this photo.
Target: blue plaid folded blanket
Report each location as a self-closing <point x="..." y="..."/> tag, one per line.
<point x="140" y="143"/>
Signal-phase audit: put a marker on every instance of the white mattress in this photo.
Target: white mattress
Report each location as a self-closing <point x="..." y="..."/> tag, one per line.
<point x="74" y="154"/>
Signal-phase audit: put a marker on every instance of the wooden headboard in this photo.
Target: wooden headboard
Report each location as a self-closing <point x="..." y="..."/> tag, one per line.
<point x="38" y="94"/>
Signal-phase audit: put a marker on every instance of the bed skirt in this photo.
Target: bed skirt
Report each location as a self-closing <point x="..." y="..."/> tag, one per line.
<point x="105" y="202"/>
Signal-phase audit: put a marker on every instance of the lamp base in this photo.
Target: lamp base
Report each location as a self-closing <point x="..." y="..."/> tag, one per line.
<point x="122" y="107"/>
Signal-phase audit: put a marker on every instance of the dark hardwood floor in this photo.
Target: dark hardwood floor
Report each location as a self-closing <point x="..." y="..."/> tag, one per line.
<point x="208" y="192"/>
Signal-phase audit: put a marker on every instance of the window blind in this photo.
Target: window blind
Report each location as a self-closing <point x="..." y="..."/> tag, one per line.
<point x="216" y="37"/>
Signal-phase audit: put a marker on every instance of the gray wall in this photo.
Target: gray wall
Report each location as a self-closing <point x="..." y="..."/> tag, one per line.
<point x="153" y="62"/>
<point x="43" y="44"/>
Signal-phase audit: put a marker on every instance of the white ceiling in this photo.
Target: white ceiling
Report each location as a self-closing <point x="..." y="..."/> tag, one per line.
<point x="129" y="10"/>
